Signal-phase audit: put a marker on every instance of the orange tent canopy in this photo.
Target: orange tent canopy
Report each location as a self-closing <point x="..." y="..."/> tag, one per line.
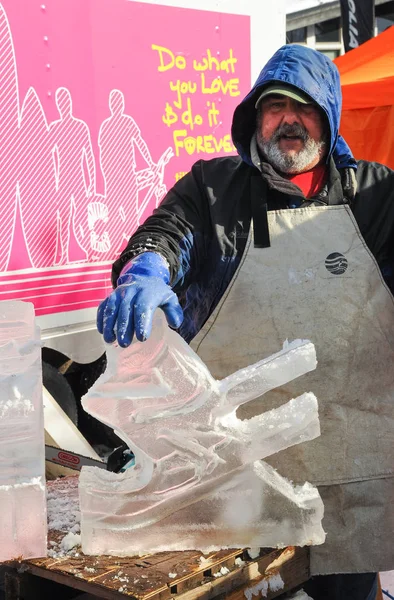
<point x="367" y="77"/>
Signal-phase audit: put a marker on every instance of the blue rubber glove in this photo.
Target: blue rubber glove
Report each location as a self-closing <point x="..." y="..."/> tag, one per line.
<point x="129" y="309"/>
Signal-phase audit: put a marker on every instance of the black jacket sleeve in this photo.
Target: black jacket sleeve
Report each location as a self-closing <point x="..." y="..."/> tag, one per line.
<point x="374" y="212"/>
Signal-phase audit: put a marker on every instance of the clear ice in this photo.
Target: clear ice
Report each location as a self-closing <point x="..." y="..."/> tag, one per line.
<point x="198" y="481"/>
<point x="23" y="524"/>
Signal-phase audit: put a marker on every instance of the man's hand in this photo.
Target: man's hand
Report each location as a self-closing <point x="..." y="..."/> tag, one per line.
<point x="142" y="288"/>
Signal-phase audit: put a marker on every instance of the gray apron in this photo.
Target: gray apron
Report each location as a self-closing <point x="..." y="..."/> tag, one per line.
<point x="319" y="281"/>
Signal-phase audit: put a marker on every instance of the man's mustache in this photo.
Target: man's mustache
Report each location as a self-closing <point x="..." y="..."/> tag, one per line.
<point x="296" y="130"/>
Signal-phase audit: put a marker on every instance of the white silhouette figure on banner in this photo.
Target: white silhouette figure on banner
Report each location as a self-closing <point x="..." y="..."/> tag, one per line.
<point x="75" y="176"/>
<point x="50" y="211"/>
<point x="119" y="138"/>
<point x="9" y="114"/>
<point x="36" y="181"/>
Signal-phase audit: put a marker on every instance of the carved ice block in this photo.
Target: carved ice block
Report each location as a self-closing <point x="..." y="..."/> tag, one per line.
<point x="198" y="480"/>
<point x="23" y="525"/>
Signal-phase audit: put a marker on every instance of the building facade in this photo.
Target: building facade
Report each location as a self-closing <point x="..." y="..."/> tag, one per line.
<point x="317" y="23"/>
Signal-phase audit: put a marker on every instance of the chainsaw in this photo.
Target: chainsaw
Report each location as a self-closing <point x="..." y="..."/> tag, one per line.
<point x="120" y="459"/>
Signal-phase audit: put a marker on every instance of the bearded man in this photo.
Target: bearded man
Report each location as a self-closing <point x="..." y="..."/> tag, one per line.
<point x="290" y="239"/>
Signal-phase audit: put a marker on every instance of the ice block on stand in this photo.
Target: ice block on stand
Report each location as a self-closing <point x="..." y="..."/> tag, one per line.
<point x="198" y="481"/>
<point x="23" y="525"/>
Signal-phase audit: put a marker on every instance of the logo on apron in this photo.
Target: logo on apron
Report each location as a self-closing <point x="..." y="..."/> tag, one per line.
<point x="336" y="263"/>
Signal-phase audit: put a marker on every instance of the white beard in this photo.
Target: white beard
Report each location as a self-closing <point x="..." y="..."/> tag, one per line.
<point x="294" y="163"/>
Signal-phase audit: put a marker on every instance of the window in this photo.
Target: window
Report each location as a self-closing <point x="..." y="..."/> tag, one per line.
<point x="297" y="36"/>
<point x="331" y="53"/>
<point x="326" y="37"/>
<point x="383" y="22"/>
<point x="328" y="31"/>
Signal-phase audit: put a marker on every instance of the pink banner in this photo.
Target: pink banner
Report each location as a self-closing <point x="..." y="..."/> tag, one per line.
<point x="104" y="104"/>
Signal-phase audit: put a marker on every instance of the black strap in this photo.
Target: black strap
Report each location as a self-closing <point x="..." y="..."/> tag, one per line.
<point x="259" y="209"/>
<point x="349" y="184"/>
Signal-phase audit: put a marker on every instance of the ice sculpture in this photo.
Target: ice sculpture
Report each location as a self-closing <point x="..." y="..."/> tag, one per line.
<point x="197" y="482"/>
<point x="23" y="525"/>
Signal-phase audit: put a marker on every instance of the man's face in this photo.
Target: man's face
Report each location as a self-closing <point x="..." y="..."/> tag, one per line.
<point x="291" y="135"/>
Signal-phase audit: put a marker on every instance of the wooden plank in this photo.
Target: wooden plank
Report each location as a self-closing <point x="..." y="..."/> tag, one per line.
<point x="190" y="572"/>
<point x="148" y="577"/>
<point x="293" y="568"/>
<point x="379" y="593"/>
<point x="292" y="564"/>
<point x="67" y="581"/>
<point x="145" y="578"/>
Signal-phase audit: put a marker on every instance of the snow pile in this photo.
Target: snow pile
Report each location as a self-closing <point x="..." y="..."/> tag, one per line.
<point x="272" y="583"/>
<point x="64" y="516"/>
<point x="221" y="572"/>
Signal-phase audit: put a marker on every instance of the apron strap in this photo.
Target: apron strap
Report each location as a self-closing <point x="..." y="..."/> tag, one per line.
<point x="259" y="209"/>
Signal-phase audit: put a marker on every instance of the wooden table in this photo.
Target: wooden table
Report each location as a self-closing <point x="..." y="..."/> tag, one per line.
<point x="184" y="575"/>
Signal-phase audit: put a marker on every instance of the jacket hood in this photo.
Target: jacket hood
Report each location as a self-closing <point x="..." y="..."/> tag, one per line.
<point x="309" y="71"/>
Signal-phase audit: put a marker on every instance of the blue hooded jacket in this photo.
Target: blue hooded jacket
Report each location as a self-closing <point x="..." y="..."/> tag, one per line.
<point x="309" y="71"/>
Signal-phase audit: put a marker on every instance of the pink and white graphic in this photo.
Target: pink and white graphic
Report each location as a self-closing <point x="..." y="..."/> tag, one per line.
<point x="119" y="139"/>
<point x="9" y="114"/>
<point x="36" y="186"/>
<point x="88" y="141"/>
<point x="74" y="174"/>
